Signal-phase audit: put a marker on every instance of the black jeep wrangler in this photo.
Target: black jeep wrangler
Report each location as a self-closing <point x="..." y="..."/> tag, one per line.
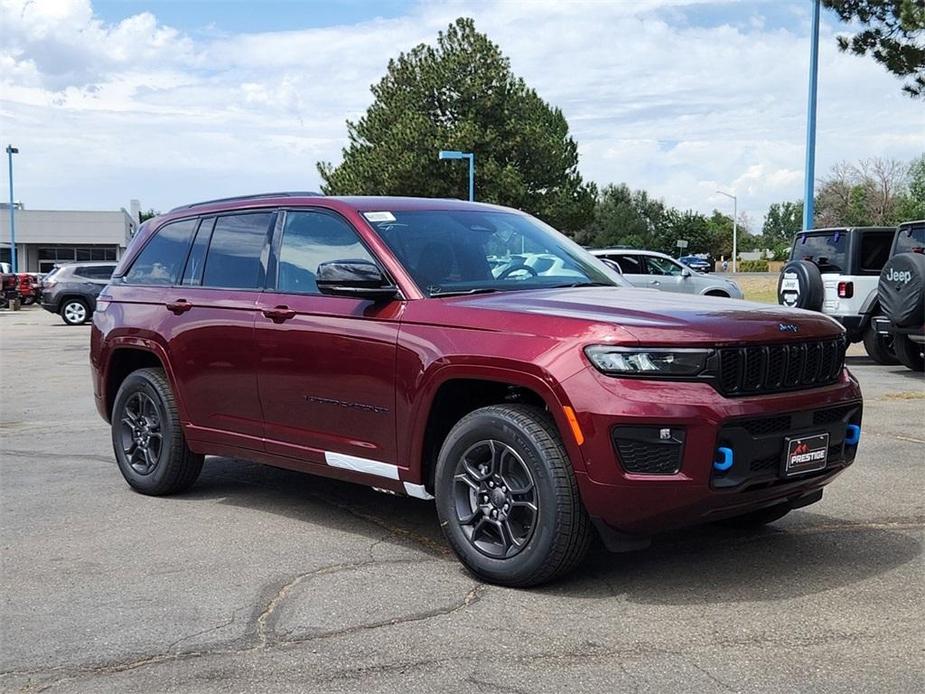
<point x="901" y="293"/>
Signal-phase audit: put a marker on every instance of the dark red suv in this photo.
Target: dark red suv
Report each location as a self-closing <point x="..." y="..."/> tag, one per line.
<point x="468" y="353"/>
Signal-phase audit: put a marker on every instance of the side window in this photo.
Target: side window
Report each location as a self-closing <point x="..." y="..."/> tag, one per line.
<point x="630" y="264"/>
<point x="309" y="239"/>
<point x="161" y="260"/>
<point x="233" y="260"/>
<point x="662" y="266"/>
<point x="94" y="272"/>
<point x="192" y="275"/>
<point x="874" y="252"/>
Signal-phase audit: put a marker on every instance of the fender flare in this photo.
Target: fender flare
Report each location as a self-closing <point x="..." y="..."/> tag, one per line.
<point x="145" y="344"/>
<point x="541" y="383"/>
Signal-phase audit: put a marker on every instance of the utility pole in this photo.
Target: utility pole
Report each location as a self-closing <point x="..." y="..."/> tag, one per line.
<point x="810" y="172"/>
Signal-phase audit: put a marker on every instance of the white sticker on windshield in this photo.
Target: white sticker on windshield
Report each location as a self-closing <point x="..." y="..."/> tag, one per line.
<point x="379" y="216"/>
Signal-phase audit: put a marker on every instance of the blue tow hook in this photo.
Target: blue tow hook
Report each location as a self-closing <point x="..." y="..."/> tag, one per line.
<point x="725" y="461"/>
<point x="852" y="435"/>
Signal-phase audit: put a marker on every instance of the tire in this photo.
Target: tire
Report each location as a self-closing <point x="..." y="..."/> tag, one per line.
<point x="145" y="406"/>
<point x="909" y="353"/>
<point x="879" y="347"/>
<point x="809" y="292"/>
<point x="519" y="445"/>
<point x="901" y="289"/>
<point x="28" y="300"/>
<point x="75" y="311"/>
<point x="717" y="293"/>
<point x="755" y="519"/>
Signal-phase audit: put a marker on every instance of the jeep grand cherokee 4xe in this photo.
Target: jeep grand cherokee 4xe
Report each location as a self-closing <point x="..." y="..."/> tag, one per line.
<point x="387" y="341"/>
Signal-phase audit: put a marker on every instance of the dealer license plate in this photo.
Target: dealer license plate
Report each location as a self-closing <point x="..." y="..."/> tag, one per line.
<point x="805" y="454"/>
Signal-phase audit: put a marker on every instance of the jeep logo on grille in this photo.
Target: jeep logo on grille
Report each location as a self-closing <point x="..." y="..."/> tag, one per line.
<point x="901" y="277"/>
<point x="788" y="327"/>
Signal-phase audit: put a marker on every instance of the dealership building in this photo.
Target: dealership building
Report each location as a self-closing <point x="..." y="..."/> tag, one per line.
<point x="45" y="238"/>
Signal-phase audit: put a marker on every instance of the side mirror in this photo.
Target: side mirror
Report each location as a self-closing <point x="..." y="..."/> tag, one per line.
<point x="359" y="279"/>
<point x="685" y="272"/>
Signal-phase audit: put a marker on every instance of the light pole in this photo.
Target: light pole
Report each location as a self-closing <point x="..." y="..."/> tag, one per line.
<point x="735" y="227"/>
<point x="454" y="154"/>
<point x="10" y="151"/>
<point x="810" y="172"/>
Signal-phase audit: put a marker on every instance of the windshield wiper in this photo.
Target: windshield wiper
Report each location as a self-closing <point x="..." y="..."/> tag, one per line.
<point x="478" y="290"/>
<point x="580" y="284"/>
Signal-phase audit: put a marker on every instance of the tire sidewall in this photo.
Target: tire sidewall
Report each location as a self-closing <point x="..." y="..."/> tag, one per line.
<point x="133" y="383"/>
<point x="472" y="429"/>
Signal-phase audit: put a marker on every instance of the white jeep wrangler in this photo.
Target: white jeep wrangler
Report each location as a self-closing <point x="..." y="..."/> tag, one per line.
<point x="836" y="271"/>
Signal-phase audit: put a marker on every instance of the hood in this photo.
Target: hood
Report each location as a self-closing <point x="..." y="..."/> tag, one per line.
<point x="662" y="318"/>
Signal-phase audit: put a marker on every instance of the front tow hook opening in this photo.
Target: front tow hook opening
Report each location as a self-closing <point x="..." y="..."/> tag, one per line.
<point x="725" y="459"/>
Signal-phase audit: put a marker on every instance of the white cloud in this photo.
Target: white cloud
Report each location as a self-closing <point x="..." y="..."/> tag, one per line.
<point x="104" y="112"/>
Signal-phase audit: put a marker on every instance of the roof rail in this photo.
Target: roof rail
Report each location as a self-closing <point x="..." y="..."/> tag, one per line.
<point x="258" y="196"/>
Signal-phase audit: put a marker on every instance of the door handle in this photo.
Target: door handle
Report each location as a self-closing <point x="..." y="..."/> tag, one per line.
<point x="279" y="314"/>
<point x="654" y="282"/>
<point x="179" y="306"/>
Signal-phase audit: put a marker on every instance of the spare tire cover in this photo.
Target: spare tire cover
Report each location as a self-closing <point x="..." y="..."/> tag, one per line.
<point x="902" y="290"/>
<point x="800" y="286"/>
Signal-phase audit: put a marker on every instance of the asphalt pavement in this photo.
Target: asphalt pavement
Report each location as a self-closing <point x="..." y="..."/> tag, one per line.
<point x="264" y="580"/>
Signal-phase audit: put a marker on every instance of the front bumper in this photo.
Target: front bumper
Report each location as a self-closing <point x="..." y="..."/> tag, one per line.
<point x="754" y="427"/>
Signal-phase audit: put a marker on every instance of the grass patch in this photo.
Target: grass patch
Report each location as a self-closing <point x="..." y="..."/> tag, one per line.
<point x="761" y="288"/>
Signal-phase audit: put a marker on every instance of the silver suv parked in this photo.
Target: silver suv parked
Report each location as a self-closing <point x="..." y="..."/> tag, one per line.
<point x="660" y="271"/>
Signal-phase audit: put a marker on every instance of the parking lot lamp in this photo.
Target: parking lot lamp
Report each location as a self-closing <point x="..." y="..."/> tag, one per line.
<point x="735" y="227"/>
<point x="454" y="154"/>
<point x="10" y="151"/>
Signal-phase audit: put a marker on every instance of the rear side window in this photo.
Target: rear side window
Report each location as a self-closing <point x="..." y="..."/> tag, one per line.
<point x="911" y="239"/>
<point x="874" y="251"/>
<point x="233" y="260"/>
<point x="95" y="272"/>
<point x="192" y="276"/>
<point x="161" y="260"/>
<point x="629" y="264"/>
<point x="312" y="238"/>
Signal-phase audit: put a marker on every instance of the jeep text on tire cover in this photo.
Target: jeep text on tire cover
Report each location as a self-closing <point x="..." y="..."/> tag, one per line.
<point x="467" y="354"/>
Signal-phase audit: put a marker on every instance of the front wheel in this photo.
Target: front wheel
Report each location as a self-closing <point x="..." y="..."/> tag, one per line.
<point x="879" y="347"/>
<point x="75" y="312"/>
<point x="909" y="353"/>
<point x="507" y="498"/>
<point x="147" y="438"/>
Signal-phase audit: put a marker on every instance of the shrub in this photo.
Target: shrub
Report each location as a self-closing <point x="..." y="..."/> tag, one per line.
<point x="753" y="266"/>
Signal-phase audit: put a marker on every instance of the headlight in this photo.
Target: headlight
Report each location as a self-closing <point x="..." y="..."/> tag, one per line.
<point x="648" y="361"/>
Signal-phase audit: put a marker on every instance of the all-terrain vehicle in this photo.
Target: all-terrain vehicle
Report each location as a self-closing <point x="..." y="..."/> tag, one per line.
<point x="901" y="295"/>
<point x="836" y="271"/>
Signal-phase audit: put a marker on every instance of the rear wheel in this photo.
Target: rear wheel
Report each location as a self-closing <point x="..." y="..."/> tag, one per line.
<point x="147" y="438"/>
<point x="507" y="498"/>
<point x="756" y="519"/>
<point x="879" y="347"/>
<point x="909" y="353"/>
<point x="75" y="312"/>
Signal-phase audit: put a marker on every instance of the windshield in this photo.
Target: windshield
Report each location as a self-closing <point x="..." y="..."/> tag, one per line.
<point x="911" y="239"/>
<point x="458" y="252"/>
<point x="829" y="251"/>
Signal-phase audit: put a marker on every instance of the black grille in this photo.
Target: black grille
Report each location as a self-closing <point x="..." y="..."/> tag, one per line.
<point x="648" y="458"/>
<point x="649" y="450"/>
<point x="774" y="368"/>
<point x="833" y="414"/>
<point x="766" y="425"/>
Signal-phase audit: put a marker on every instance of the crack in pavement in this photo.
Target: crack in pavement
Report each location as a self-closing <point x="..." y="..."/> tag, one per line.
<point x="261" y="636"/>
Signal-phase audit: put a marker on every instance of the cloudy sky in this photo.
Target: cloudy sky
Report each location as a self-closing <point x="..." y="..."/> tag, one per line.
<point x="171" y="102"/>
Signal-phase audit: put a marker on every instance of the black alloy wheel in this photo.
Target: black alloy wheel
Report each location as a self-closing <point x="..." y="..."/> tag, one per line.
<point x="496" y="499"/>
<point x="142" y="440"/>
